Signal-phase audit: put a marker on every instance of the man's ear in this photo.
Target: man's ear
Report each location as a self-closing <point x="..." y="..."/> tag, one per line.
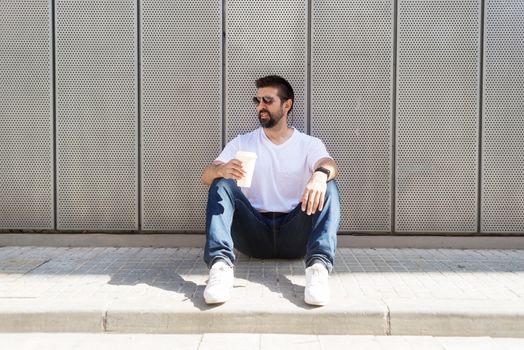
<point x="288" y="104"/>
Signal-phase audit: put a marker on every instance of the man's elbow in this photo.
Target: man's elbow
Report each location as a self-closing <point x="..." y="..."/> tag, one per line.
<point x="205" y="178"/>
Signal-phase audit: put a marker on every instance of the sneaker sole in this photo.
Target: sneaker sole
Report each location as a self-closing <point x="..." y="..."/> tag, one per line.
<point x="316" y="303"/>
<point x="215" y="301"/>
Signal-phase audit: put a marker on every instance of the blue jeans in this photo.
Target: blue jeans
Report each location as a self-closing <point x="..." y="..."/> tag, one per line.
<point x="231" y="221"/>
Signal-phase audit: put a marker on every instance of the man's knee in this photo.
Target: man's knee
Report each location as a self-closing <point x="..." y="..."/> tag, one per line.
<point x="223" y="184"/>
<point x="221" y="188"/>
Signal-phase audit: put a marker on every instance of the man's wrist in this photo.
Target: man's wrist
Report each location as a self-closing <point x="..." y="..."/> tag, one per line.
<point x="324" y="171"/>
<point x="321" y="175"/>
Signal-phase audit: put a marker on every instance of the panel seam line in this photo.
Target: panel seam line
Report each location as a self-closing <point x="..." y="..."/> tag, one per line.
<point x="139" y="118"/>
<point x="309" y="72"/>
<point x="54" y="117"/>
<point x="223" y="78"/>
<point x="479" y="128"/>
<point x="394" y="119"/>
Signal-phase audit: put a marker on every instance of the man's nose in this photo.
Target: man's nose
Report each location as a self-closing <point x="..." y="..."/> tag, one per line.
<point x="259" y="106"/>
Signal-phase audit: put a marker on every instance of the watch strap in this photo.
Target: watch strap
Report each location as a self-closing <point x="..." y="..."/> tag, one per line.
<point x="323" y="170"/>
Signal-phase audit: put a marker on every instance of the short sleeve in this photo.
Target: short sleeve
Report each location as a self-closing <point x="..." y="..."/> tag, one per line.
<point x="317" y="151"/>
<point x="230" y="150"/>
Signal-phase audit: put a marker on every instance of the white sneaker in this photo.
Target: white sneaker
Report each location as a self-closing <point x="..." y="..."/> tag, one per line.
<point x="219" y="284"/>
<point x="317" y="286"/>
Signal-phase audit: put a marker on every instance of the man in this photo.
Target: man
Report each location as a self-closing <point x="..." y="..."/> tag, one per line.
<point x="292" y="208"/>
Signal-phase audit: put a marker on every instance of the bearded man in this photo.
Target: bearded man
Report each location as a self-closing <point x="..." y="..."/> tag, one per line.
<point x="291" y="210"/>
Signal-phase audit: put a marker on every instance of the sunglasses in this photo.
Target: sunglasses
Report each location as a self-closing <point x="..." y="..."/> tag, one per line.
<point x="266" y="99"/>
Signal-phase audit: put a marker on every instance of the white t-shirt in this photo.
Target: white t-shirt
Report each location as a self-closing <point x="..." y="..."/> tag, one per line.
<point x="281" y="171"/>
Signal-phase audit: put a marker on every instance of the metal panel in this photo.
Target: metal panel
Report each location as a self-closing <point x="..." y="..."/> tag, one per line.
<point x="181" y="65"/>
<point x="503" y="118"/>
<point x="262" y="38"/>
<point x="96" y="78"/>
<point x="351" y="101"/>
<point x="26" y="120"/>
<point x="437" y="115"/>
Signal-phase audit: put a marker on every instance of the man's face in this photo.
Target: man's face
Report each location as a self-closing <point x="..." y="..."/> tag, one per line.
<point x="269" y="107"/>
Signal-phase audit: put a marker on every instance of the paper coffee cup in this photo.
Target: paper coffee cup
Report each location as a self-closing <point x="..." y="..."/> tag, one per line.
<point x="248" y="160"/>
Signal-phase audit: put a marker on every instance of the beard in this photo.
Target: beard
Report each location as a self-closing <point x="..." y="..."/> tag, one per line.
<point x="271" y="121"/>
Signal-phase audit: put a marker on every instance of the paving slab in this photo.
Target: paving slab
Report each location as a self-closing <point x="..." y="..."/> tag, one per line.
<point x="439" y="292"/>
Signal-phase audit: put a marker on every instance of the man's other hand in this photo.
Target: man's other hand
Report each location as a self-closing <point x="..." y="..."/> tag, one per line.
<point x="231" y="170"/>
<point x="313" y="197"/>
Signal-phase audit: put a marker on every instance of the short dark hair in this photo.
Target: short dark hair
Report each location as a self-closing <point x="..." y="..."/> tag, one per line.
<point x="283" y="86"/>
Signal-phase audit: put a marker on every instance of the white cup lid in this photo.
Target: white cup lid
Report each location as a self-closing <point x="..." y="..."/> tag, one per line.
<point x="244" y="154"/>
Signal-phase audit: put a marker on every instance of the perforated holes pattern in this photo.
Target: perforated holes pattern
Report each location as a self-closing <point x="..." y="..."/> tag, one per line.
<point x="503" y="118"/>
<point x="96" y="79"/>
<point x="263" y="37"/>
<point x="26" y="123"/>
<point x="181" y="55"/>
<point x="351" y="99"/>
<point x="437" y="116"/>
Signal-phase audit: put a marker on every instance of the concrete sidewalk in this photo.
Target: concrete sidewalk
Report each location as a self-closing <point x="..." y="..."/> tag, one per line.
<point x="242" y="341"/>
<point x="437" y="292"/>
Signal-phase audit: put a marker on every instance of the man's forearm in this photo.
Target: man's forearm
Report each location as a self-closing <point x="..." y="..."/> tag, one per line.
<point x="210" y="173"/>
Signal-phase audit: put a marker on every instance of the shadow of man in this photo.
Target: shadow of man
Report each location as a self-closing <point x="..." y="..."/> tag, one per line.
<point x="187" y="278"/>
<point x="167" y="275"/>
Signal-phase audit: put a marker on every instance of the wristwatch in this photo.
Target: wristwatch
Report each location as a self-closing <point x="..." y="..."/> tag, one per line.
<point x="323" y="170"/>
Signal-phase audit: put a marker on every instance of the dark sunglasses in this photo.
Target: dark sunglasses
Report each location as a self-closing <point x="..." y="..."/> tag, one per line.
<point x="266" y="99"/>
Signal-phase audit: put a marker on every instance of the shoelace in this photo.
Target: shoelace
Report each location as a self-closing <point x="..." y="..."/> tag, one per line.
<point x="218" y="276"/>
<point x="317" y="277"/>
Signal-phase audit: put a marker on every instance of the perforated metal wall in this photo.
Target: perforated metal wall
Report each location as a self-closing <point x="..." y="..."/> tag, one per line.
<point x="181" y="55"/>
<point x="437" y="115"/>
<point x="351" y="104"/>
<point x="96" y="94"/>
<point x="263" y="37"/>
<point x="26" y="122"/>
<point x="503" y="118"/>
<point x="173" y="114"/>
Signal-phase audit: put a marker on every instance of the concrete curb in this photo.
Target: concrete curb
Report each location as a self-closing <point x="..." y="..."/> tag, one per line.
<point x="365" y="317"/>
<point x="457" y="318"/>
<point x="32" y="316"/>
